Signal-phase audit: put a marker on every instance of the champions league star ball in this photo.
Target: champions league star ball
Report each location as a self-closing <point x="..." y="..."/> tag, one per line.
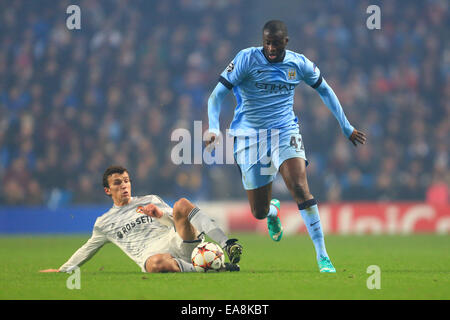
<point x="207" y="256"/>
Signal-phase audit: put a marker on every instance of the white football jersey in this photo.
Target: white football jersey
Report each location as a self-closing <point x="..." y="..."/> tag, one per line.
<point x="128" y="228"/>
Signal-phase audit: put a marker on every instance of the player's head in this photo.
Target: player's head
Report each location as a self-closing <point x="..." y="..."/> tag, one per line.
<point x="275" y="39"/>
<point x="117" y="184"/>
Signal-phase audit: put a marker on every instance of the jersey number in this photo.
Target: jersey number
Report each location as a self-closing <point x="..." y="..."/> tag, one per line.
<point x="296" y="142"/>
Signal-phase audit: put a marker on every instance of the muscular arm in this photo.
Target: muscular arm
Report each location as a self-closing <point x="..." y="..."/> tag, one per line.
<point x="332" y="102"/>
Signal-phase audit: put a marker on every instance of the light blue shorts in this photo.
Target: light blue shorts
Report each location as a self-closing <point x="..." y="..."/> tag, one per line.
<point x="259" y="157"/>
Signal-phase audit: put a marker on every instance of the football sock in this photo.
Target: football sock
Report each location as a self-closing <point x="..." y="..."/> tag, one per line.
<point x="203" y="223"/>
<point x="310" y="214"/>
<point x="272" y="211"/>
<point x="185" y="266"/>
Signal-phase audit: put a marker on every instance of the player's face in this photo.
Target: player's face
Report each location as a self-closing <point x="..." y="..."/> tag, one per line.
<point x="274" y="45"/>
<point x="119" y="188"/>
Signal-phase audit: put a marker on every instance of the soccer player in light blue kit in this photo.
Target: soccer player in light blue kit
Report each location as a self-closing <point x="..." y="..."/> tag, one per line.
<point x="263" y="80"/>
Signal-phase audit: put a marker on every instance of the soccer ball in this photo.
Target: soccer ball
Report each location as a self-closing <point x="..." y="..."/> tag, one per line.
<point x="207" y="256"/>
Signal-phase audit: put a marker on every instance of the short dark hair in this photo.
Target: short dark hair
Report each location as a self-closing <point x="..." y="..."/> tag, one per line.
<point x="274" y="26"/>
<point x="110" y="171"/>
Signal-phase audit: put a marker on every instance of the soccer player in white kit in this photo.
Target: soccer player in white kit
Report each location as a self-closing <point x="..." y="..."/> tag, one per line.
<point x="154" y="235"/>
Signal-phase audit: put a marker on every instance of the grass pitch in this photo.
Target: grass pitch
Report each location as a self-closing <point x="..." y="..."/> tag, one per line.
<point x="412" y="267"/>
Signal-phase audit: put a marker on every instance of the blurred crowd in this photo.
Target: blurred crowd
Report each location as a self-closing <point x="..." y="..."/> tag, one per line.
<point x="73" y="102"/>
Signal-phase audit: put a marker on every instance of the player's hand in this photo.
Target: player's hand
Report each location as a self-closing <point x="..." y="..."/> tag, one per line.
<point x="152" y="211"/>
<point x="49" y="270"/>
<point x="357" y="136"/>
<point x="212" y="139"/>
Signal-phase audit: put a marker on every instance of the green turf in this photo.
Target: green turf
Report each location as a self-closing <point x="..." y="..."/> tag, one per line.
<point x="412" y="267"/>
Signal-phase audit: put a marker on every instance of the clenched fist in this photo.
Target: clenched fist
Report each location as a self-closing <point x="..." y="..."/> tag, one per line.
<point x="152" y="211"/>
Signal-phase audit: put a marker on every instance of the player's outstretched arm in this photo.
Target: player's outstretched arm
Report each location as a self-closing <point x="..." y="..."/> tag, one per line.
<point x="83" y="254"/>
<point x="214" y="107"/>
<point x="332" y="102"/>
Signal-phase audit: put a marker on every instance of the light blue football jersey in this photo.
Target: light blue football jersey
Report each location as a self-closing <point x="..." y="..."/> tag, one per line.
<point x="265" y="91"/>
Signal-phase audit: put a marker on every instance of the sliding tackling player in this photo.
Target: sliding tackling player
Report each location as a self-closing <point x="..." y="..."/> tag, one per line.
<point x="154" y="235"/>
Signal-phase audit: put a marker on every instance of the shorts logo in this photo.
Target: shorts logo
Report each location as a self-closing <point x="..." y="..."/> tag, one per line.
<point x="291" y="74"/>
<point x="230" y="67"/>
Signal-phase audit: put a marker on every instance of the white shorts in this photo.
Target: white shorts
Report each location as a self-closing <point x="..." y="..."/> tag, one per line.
<point x="173" y="244"/>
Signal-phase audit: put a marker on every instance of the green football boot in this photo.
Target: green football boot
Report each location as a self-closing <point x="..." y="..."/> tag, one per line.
<point x="274" y="224"/>
<point x="325" y="265"/>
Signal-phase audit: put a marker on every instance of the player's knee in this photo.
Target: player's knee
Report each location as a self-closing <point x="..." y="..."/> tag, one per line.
<point x="260" y="212"/>
<point x="183" y="204"/>
<point x="156" y="264"/>
<point x="182" y="208"/>
<point x="153" y="264"/>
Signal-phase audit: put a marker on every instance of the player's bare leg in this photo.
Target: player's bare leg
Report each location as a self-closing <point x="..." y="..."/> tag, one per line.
<point x="166" y="262"/>
<point x="181" y="210"/>
<point x="293" y="172"/>
<point x="262" y="206"/>
<point x="190" y="220"/>
<point x="163" y="262"/>
<point x="259" y="200"/>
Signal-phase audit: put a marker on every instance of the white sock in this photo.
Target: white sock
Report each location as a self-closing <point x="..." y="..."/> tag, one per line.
<point x="272" y="211"/>
<point x="185" y="266"/>
<point x="203" y="223"/>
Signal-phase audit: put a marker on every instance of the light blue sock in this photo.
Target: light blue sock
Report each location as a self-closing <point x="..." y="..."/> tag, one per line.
<point x="310" y="215"/>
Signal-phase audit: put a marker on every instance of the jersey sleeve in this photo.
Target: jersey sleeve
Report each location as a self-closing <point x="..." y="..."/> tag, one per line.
<point x="87" y="251"/>
<point x="167" y="218"/>
<point x="310" y="72"/>
<point x="236" y="71"/>
<point x="214" y="106"/>
<point x="332" y="102"/>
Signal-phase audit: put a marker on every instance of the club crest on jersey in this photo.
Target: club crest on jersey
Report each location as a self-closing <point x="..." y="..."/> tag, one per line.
<point x="140" y="209"/>
<point x="292" y="74"/>
<point x="230" y="67"/>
